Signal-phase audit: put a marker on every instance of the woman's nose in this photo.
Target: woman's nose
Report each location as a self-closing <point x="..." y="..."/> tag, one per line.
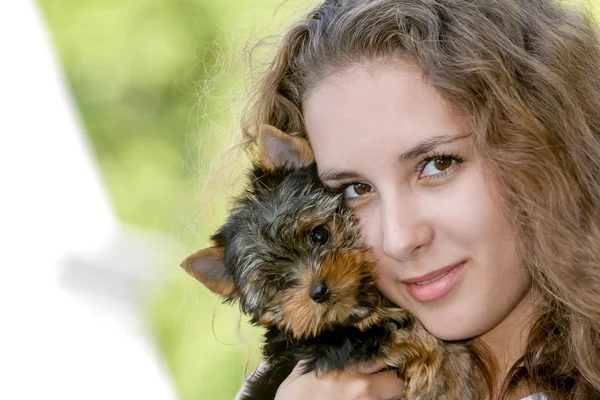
<point x="405" y="231"/>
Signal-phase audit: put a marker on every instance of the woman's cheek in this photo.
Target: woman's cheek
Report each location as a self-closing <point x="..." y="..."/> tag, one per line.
<point x="371" y="232"/>
<point x="372" y="236"/>
<point x="369" y="226"/>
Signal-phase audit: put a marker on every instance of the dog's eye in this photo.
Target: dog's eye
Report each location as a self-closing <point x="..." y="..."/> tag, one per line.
<point x="319" y="235"/>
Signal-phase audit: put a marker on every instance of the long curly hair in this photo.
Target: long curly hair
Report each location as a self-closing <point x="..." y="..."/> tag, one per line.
<point x="527" y="75"/>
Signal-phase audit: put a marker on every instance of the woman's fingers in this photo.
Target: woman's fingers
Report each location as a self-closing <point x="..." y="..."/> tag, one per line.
<point x="368" y="369"/>
<point x="360" y="383"/>
<point x="380" y="380"/>
<point x="387" y="385"/>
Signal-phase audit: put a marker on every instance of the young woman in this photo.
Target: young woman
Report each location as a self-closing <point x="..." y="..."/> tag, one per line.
<point x="466" y="136"/>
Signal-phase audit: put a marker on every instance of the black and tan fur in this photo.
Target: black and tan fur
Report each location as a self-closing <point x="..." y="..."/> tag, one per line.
<point x="289" y="255"/>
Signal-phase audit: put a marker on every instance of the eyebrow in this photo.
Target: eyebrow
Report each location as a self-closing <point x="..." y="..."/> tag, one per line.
<point x="425" y="146"/>
<point x="332" y="174"/>
<point x="422" y="147"/>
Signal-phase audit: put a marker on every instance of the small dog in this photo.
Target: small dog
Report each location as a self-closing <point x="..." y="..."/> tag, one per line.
<point x="289" y="254"/>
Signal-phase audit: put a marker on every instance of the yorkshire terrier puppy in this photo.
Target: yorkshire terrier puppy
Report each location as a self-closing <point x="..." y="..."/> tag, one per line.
<point x="289" y="254"/>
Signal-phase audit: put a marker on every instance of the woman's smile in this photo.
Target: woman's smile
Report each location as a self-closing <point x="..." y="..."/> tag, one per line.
<point x="435" y="285"/>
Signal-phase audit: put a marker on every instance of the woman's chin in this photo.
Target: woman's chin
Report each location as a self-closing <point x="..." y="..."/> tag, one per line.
<point x="449" y="330"/>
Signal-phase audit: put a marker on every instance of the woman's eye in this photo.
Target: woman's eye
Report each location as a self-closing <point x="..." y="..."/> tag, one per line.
<point x="438" y="166"/>
<point x="357" y="189"/>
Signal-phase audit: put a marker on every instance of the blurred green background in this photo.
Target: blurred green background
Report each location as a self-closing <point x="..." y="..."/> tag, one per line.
<point x="158" y="85"/>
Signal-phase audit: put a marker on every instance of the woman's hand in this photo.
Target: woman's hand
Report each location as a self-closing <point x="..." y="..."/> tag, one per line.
<point x="364" y="383"/>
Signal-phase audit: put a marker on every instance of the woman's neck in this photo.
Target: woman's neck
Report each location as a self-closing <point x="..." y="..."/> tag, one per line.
<point x="507" y="342"/>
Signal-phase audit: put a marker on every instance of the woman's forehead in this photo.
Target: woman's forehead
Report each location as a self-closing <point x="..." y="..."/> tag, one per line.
<point x="385" y="103"/>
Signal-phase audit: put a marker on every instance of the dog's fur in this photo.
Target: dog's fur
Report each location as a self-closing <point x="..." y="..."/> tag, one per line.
<point x="289" y="254"/>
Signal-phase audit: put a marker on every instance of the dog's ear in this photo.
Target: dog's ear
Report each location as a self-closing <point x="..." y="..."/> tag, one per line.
<point x="278" y="149"/>
<point x="208" y="266"/>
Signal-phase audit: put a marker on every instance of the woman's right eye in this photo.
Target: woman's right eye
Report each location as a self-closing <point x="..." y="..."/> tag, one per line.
<point x="355" y="190"/>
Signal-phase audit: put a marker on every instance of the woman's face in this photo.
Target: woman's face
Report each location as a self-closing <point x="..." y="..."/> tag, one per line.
<point x="406" y="163"/>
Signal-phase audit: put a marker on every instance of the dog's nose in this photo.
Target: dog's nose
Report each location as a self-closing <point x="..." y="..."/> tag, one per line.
<point x="320" y="292"/>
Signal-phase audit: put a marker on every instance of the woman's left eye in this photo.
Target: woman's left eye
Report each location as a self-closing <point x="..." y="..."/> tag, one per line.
<point x="438" y="166"/>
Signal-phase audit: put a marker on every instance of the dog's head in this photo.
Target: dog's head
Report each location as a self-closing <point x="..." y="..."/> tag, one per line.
<point x="288" y="252"/>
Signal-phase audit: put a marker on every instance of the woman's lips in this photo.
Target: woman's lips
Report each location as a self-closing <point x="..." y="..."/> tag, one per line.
<point x="436" y="284"/>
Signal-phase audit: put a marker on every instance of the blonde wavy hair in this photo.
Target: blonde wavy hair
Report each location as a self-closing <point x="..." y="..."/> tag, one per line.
<point x="527" y="74"/>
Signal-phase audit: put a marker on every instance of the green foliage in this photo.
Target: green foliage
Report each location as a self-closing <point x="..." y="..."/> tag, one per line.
<point x="156" y="83"/>
<point x="132" y="68"/>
